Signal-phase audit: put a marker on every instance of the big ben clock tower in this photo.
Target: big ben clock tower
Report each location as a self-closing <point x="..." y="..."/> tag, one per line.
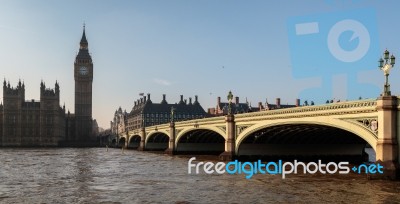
<point x="83" y="75"/>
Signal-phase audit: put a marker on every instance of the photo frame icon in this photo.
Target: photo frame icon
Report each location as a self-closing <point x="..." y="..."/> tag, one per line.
<point x="330" y="44"/>
<point x="359" y="31"/>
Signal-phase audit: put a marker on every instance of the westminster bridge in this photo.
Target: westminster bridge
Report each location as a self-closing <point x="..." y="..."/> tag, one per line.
<point x="343" y="128"/>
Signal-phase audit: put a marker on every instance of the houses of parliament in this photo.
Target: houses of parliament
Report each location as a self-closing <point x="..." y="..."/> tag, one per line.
<point x="45" y="123"/>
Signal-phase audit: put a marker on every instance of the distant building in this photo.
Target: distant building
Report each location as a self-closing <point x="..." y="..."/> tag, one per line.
<point x="236" y="107"/>
<point x="31" y="123"/>
<point x="146" y="113"/>
<point x="105" y="136"/>
<point x="83" y="77"/>
<point x="95" y="127"/>
<point x="45" y="123"/>
<point x="277" y="105"/>
<point x="119" y="122"/>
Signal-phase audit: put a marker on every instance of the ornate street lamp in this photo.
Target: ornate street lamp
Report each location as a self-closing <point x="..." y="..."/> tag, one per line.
<point x="172" y="114"/>
<point x="142" y="119"/>
<point x="230" y="97"/>
<point x="385" y="65"/>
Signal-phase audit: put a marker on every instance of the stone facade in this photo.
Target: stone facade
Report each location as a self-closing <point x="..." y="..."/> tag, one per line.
<point x="31" y="123"/>
<point x="44" y="122"/>
<point x="119" y="122"/>
<point x="146" y="113"/>
<point x="83" y="75"/>
<point x="222" y="107"/>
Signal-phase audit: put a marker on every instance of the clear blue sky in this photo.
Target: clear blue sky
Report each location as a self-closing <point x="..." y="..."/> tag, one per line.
<point x="175" y="47"/>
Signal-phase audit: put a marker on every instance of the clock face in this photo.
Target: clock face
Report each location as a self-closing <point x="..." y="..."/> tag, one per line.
<point x="83" y="70"/>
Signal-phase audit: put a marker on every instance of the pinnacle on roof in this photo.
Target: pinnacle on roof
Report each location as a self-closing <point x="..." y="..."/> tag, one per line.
<point x="84" y="40"/>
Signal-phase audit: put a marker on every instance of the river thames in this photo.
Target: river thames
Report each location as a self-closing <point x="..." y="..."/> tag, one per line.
<point x="95" y="175"/>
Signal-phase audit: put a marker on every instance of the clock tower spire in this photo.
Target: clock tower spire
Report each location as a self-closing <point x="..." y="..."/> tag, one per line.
<point x="83" y="75"/>
<point x="84" y="42"/>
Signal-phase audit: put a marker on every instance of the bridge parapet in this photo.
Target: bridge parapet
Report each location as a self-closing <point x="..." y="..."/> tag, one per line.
<point x="204" y="121"/>
<point x="201" y="121"/>
<point x="361" y="106"/>
<point x="351" y="107"/>
<point x="374" y="120"/>
<point x="164" y="126"/>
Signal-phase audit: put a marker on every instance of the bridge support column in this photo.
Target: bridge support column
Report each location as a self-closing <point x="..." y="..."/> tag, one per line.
<point x="387" y="152"/>
<point x="229" y="152"/>
<point x="117" y="141"/>
<point x="142" y="145"/>
<point x="126" y="141"/>
<point x="171" y="143"/>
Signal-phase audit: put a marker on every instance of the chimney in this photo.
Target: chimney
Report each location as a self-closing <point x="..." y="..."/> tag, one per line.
<point x="144" y="99"/>
<point x="278" y="102"/>
<point x="148" y="96"/>
<point x="297" y="102"/>
<point x="260" y="106"/>
<point x="190" y="100"/>
<point x="237" y="100"/>
<point x="141" y="100"/>
<point x="185" y="101"/>
<point x="195" y="98"/>
<point x="181" y="98"/>
<point x="135" y="103"/>
<point x="163" y="97"/>
<point x="218" y="100"/>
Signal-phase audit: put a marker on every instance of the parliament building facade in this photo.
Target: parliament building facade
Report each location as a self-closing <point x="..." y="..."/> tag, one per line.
<point x="45" y="122"/>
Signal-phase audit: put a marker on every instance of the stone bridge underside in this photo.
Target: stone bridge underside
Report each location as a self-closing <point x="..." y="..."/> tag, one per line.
<point x="302" y="140"/>
<point x="200" y="141"/>
<point x="134" y="141"/>
<point x="339" y="129"/>
<point x="157" y="141"/>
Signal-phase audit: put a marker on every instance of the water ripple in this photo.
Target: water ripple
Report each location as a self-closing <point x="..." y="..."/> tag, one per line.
<point x="94" y="175"/>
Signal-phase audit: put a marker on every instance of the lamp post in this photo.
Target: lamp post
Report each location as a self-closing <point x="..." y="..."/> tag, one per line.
<point x="117" y="141"/>
<point x="172" y="114"/>
<point x="230" y="97"/>
<point x="229" y="152"/>
<point x="142" y="119"/>
<point x="386" y="65"/>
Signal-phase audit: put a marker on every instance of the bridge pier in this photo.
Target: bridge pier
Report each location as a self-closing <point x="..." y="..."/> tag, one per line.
<point x="387" y="149"/>
<point x="171" y="143"/>
<point x="126" y="141"/>
<point x="142" y="146"/>
<point x="229" y="152"/>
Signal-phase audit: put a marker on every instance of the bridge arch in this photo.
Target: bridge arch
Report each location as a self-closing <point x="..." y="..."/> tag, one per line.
<point x="327" y="124"/>
<point x="157" y="140"/>
<point x="134" y="141"/>
<point x="114" y="142"/>
<point x="186" y="130"/>
<point x="156" y="133"/>
<point x="200" y="141"/>
<point x="121" y="141"/>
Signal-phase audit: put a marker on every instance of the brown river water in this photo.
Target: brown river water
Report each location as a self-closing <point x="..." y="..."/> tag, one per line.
<point x="95" y="175"/>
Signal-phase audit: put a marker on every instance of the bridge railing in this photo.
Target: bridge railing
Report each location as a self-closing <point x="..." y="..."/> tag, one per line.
<point x="201" y="120"/>
<point x="367" y="103"/>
